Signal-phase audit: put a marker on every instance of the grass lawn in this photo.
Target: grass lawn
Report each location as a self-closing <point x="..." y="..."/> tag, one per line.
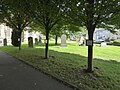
<point x="115" y="42"/>
<point x="68" y="64"/>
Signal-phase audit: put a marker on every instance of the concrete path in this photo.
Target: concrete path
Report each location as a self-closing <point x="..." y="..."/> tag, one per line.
<point x="15" y="75"/>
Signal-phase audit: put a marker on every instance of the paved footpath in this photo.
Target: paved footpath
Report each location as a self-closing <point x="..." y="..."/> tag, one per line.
<point x="15" y="75"/>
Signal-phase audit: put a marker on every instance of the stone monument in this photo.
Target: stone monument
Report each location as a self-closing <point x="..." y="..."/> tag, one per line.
<point x="30" y="42"/>
<point x="82" y="41"/>
<point x="63" y="40"/>
<point x="1" y="42"/>
<point x="103" y="44"/>
<point x="5" y="42"/>
<point x="36" y="41"/>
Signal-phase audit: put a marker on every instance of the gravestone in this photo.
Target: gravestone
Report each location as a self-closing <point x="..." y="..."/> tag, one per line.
<point x="30" y="42"/>
<point x="103" y="44"/>
<point x="5" y="42"/>
<point x="36" y="41"/>
<point x="40" y="40"/>
<point x="82" y="41"/>
<point x="1" y="42"/>
<point x="63" y="41"/>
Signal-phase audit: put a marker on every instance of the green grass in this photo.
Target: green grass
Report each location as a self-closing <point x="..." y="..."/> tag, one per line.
<point x="68" y="64"/>
<point x="115" y="42"/>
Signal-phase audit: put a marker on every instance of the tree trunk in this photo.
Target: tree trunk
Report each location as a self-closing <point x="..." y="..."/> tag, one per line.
<point x="90" y="49"/>
<point x="91" y="24"/>
<point x="20" y="32"/>
<point x="19" y="43"/>
<point x="47" y="44"/>
<point x="56" y="39"/>
<point x="90" y="55"/>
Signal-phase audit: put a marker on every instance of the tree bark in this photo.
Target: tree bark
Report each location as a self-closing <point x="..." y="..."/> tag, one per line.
<point x="56" y="39"/>
<point x="47" y="44"/>
<point x="20" y="32"/>
<point x="90" y="48"/>
<point x="20" y="44"/>
<point x="90" y="55"/>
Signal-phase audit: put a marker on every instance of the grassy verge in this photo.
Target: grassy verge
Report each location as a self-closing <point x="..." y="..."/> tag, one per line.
<point x="115" y="42"/>
<point x="68" y="64"/>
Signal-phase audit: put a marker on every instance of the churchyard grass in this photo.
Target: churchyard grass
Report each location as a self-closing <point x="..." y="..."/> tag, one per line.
<point x="68" y="64"/>
<point x="115" y="42"/>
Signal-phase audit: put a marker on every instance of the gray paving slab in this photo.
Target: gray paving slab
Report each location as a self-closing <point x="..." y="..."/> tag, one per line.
<point x="15" y="75"/>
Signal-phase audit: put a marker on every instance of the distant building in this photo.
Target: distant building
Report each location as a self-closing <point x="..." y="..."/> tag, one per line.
<point x="101" y="34"/>
<point x="5" y="32"/>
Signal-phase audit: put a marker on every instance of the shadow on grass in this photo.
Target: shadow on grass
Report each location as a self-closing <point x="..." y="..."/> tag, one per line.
<point x="63" y="55"/>
<point x="51" y="44"/>
<point x="70" y="67"/>
<point x="79" y="59"/>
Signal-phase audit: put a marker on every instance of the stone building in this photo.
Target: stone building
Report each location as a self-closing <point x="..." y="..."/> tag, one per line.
<point x="102" y="34"/>
<point x="5" y="32"/>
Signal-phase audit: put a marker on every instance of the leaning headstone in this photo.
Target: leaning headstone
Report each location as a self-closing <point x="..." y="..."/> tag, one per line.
<point x="63" y="41"/>
<point x="5" y="42"/>
<point x="30" y="42"/>
<point x="103" y="44"/>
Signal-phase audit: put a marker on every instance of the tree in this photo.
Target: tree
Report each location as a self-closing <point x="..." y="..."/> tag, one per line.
<point x="64" y="28"/>
<point x="15" y="15"/>
<point x="91" y="13"/>
<point x="114" y="21"/>
<point x="56" y="31"/>
<point x="35" y="26"/>
<point x="48" y="13"/>
<point x="0" y="11"/>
